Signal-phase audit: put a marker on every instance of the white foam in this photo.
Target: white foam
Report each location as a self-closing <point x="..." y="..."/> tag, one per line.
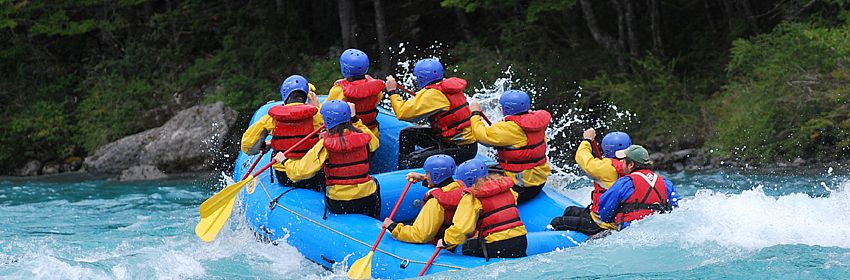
<point x="750" y="220"/>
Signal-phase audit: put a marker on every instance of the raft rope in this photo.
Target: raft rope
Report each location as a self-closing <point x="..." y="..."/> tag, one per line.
<point x="403" y="260"/>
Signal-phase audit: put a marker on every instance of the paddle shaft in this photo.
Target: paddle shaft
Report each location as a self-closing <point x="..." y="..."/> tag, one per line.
<point x="392" y="214"/>
<point x="273" y="161"/>
<point x="254" y="165"/>
<point x="407" y="90"/>
<point x="596" y="148"/>
<point x="430" y="261"/>
<point x="414" y="94"/>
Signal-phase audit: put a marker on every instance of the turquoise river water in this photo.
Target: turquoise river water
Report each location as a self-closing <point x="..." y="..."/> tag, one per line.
<point x="729" y="226"/>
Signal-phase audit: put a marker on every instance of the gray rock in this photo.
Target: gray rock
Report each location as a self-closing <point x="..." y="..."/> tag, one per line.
<point x="51" y="168"/>
<point x="187" y="142"/>
<point x="798" y="162"/>
<point x="681" y="155"/>
<point x="31" y="168"/>
<point x="658" y="158"/>
<point x="141" y="172"/>
<point x="73" y="163"/>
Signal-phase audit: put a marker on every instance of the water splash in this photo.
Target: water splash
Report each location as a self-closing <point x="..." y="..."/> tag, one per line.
<point x="568" y="117"/>
<point x="744" y="234"/>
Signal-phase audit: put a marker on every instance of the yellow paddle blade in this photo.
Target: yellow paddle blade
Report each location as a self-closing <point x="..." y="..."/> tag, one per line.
<point x="362" y="268"/>
<point x="209" y="227"/>
<point x="218" y="200"/>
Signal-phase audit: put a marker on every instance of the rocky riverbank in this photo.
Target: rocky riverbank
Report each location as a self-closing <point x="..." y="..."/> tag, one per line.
<point x="701" y="160"/>
<point x="190" y="141"/>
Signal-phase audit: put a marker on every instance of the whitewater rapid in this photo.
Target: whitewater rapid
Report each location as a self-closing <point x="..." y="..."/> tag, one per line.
<point x="782" y="225"/>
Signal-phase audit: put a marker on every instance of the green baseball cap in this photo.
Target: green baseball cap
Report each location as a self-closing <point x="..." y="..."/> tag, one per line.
<point x="636" y="153"/>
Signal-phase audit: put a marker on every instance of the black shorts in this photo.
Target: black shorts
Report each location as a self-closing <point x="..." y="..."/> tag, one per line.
<point x="576" y="219"/>
<point x="508" y="248"/>
<point x="369" y="205"/>
<point x="423" y="137"/>
<point x="527" y="193"/>
<point x="316" y="183"/>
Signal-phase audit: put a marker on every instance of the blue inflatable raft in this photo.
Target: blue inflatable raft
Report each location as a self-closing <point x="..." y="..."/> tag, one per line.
<point x="339" y="240"/>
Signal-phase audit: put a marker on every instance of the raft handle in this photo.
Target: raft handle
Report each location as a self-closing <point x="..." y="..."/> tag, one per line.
<point x="404" y="263"/>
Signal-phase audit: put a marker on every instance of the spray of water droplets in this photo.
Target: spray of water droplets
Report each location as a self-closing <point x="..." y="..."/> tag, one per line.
<point x="569" y="116"/>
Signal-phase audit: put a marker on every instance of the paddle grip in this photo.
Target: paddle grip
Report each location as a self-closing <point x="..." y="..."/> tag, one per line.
<point x="430" y="261"/>
<point x="392" y="214"/>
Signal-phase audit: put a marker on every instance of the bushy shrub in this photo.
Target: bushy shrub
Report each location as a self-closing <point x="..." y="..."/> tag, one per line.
<point x="788" y="94"/>
<point x="667" y="111"/>
<point x="111" y="108"/>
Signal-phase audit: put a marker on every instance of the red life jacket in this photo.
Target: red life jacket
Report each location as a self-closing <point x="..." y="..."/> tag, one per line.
<point x="649" y="197"/>
<point x="291" y="124"/>
<point x="449" y="201"/>
<point x="533" y="153"/>
<point x="348" y="162"/>
<point x="598" y="190"/>
<point x="498" y="205"/>
<point x="364" y="93"/>
<point x="449" y="123"/>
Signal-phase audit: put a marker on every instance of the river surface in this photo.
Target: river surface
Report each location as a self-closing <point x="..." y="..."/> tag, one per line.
<point x="729" y="226"/>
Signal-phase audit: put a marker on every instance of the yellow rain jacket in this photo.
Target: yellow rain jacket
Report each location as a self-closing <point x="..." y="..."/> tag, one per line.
<point x="427" y="224"/>
<point x="600" y="170"/>
<point x="426" y="103"/>
<point x="465" y="220"/>
<point x="508" y="133"/>
<point x="314" y="160"/>
<point x="257" y="132"/>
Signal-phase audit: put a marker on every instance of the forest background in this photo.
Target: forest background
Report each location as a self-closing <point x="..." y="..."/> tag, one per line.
<point x="757" y="80"/>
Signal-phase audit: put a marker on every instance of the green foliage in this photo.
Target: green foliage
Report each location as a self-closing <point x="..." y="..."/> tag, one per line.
<point x="77" y="74"/>
<point x="243" y="93"/>
<point x="533" y="11"/>
<point x="538" y="7"/>
<point x="788" y="94"/>
<point x="322" y="73"/>
<point x="111" y="109"/>
<point x="667" y="110"/>
<point x="58" y="23"/>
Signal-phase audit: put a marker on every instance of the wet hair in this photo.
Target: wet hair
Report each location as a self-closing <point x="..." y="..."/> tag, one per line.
<point x="484" y="179"/>
<point x="340" y="129"/>
<point x="296" y="97"/>
<point x="355" y="78"/>
<point x="638" y="165"/>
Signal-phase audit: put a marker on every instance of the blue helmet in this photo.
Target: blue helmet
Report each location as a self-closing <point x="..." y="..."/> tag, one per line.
<point x="353" y="62"/>
<point x="291" y="84"/>
<point x="440" y="167"/>
<point x="471" y="170"/>
<point x="514" y="102"/>
<point x="335" y="112"/>
<point x="615" y="141"/>
<point x="427" y="71"/>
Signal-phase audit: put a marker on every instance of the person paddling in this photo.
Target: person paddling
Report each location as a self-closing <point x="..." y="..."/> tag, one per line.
<point x="343" y="153"/>
<point x="288" y="124"/>
<point x="604" y="172"/>
<point x="359" y="88"/>
<point x="520" y="141"/>
<point x="441" y="200"/>
<point x="487" y="209"/>
<point x="444" y="104"/>
<point x="639" y="194"/>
